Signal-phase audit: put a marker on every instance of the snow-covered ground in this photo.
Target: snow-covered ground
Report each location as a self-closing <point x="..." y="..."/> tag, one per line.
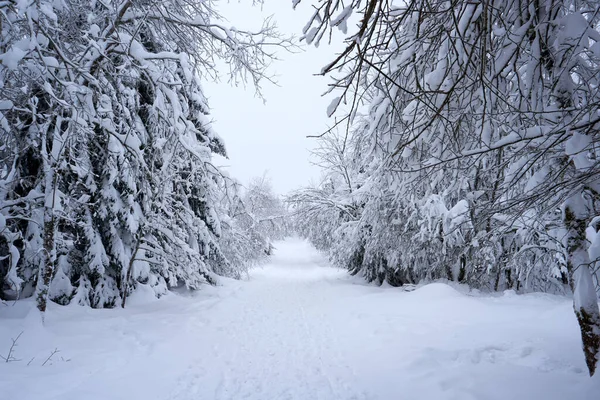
<point x="298" y="329"/>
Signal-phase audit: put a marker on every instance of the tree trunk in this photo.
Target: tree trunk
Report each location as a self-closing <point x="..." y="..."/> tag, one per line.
<point x="130" y="268"/>
<point x="46" y="270"/>
<point x="47" y="266"/>
<point x="585" y="301"/>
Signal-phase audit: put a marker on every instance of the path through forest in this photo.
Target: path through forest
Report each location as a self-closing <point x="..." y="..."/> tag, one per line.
<point x="299" y="329"/>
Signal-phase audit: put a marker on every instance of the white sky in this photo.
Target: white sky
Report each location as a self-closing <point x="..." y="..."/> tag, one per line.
<point x="271" y="137"/>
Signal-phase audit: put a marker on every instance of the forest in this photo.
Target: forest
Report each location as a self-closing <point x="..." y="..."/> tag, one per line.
<point x="461" y="148"/>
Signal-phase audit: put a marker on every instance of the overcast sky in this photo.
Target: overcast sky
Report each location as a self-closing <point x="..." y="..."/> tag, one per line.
<point x="271" y="137"/>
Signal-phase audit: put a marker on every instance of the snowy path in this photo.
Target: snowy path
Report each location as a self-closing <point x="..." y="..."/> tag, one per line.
<point x="301" y="330"/>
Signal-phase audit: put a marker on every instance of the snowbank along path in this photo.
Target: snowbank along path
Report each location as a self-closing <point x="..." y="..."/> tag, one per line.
<point x="299" y="329"/>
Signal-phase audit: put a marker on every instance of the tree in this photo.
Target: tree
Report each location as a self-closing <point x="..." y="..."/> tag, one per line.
<point x="267" y="209"/>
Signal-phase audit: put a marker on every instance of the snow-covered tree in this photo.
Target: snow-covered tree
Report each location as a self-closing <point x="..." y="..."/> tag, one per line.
<point x="267" y="208"/>
<point x="242" y="241"/>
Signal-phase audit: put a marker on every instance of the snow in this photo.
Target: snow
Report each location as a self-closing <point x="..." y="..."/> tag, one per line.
<point x="341" y="21"/>
<point x="299" y="329"/>
<point x="12" y="57"/>
<point x="310" y="36"/>
<point x="333" y="106"/>
<point x="457" y="215"/>
<point x="576" y="146"/>
<point x="5" y="104"/>
<point x="219" y="33"/>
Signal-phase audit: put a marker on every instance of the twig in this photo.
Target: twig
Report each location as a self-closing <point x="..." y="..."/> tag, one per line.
<point x="56" y="350"/>
<point x="9" y="357"/>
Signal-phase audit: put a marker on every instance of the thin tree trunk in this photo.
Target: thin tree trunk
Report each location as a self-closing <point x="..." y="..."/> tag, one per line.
<point x="50" y="156"/>
<point x="130" y="269"/>
<point x="46" y="270"/>
<point x="47" y="267"/>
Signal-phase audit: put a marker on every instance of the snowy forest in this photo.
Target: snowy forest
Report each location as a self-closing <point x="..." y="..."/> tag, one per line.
<point x="462" y="147"/>
<point x="467" y="149"/>
<point x="107" y="179"/>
